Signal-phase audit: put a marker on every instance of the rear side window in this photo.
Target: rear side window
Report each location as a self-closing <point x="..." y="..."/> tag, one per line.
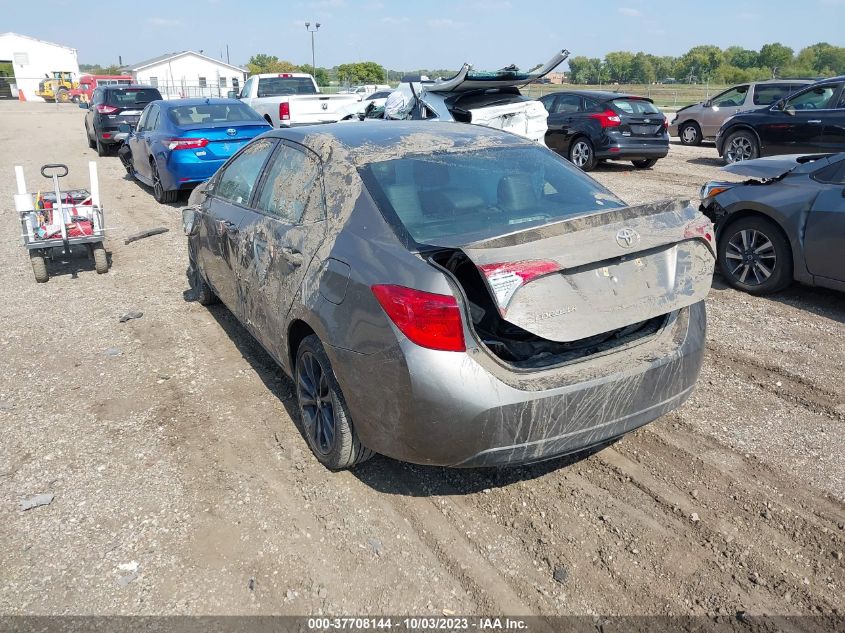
<point x="125" y="97"/>
<point x="635" y="106"/>
<point x="452" y="199"/>
<point x="212" y="113"/>
<point x="566" y="104"/>
<point x="238" y="179"/>
<point x="767" y="94"/>
<point x="282" y="86"/>
<point x="293" y="189"/>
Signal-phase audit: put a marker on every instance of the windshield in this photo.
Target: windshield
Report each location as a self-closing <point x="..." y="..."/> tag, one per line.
<point x="132" y="96"/>
<point x="457" y="198"/>
<point x="281" y="86"/>
<point x="635" y="106"/>
<point x="212" y="113"/>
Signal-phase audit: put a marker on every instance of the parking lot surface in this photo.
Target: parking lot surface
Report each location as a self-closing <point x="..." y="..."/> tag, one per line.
<point x="182" y="486"/>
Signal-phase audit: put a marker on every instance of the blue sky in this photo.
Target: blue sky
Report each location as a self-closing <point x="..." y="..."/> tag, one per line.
<point x="429" y="34"/>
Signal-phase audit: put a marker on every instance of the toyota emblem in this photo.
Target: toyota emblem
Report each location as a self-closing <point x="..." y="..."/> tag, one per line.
<point x="325" y="105"/>
<point x="626" y="237"/>
<point x="231" y="131"/>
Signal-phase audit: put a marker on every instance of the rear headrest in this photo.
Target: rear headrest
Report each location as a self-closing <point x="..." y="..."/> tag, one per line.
<point x="516" y="192"/>
<point x="428" y="174"/>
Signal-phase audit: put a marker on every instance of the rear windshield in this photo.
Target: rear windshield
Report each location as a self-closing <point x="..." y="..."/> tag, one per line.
<point x="132" y="96"/>
<point x="635" y="106"/>
<point x="455" y="198"/>
<point x="281" y="86"/>
<point x="212" y="113"/>
<point x="768" y="94"/>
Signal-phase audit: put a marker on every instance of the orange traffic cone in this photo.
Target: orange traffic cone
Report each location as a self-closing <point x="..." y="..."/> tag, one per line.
<point x="21" y="96"/>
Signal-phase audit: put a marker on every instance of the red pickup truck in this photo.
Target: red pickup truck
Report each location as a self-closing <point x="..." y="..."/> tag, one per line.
<point x="87" y="84"/>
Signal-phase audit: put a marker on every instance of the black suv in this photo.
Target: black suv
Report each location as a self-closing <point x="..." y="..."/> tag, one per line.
<point x="588" y="126"/>
<point x="110" y="107"/>
<point x="809" y="121"/>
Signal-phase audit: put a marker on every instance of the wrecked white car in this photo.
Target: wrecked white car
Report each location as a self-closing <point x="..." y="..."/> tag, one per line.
<point x="488" y="98"/>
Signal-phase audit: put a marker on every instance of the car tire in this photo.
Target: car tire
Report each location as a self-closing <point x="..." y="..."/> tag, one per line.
<point x="101" y="260"/>
<point x="739" y="146"/>
<point x="102" y="148"/>
<point x="203" y="293"/>
<point x="754" y="255"/>
<point x="689" y="133"/>
<point x="162" y="195"/>
<point x="582" y="154"/>
<point x="323" y="414"/>
<point x="39" y="267"/>
<point x="91" y="143"/>
<point x="645" y="163"/>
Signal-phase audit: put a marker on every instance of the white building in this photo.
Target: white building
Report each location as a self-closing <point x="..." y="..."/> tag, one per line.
<point x="31" y="59"/>
<point x="188" y="74"/>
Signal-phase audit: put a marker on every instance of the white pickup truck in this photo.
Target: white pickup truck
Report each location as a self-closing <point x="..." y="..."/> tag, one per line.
<point x="291" y="99"/>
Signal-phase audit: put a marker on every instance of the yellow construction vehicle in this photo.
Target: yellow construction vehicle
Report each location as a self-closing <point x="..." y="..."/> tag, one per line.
<point x="57" y="87"/>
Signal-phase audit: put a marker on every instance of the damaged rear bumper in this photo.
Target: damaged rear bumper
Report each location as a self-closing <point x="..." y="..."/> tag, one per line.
<point x="462" y="409"/>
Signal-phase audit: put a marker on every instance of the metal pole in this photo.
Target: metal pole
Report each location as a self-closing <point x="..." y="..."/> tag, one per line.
<point x="313" y="60"/>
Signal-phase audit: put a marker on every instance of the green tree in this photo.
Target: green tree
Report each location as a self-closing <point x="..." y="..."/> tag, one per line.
<point x="741" y="57"/>
<point x="321" y="75"/>
<point x="618" y="65"/>
<point x="642" y="69"/>
<point x="263" y="63"/>
<point x="586" y="70"/>
<point x="775" y="56"/>
<point x="699" y="63"/>
<point x="822" y="59"/>
<point x="361" y="73"/>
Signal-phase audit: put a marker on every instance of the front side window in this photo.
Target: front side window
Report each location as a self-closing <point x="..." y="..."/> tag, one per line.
<point x="293" y="191"/>
<point x="732" y="98"/>
<point x="815" y="98"/>
<point x="145" y="116"/>
<point x="455" y="198"/>
<point x="832" y="174"/>
<point x="238" y="178"/>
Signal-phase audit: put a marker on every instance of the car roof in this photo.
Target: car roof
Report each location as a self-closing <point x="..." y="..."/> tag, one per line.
<point x="173" y="103"/>
<point x="603" y="95"/>
<point x="127" y="87"/>
<point x="369" y="141"/>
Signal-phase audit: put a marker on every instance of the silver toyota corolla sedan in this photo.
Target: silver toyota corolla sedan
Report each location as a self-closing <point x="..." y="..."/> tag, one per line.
<point x="451" y="294"/>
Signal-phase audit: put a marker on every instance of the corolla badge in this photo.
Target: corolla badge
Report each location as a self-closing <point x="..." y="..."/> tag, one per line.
<point x="627" y="237"/>
<point x="231" y="131"/>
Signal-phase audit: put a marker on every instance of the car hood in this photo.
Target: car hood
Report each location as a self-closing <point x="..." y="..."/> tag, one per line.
<point x="771" y="166"/>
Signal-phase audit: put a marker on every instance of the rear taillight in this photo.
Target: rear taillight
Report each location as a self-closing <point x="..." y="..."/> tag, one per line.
<point x="665" y="123"/>
<point x="102" y="108"/>
<point x="608" y="118"/>
<point x="701" y="228"/>
<point x="284" y="111"/>
<point x="427" y="319"/>
<point x="186" y="143"/>
<point x="506" y="278"/>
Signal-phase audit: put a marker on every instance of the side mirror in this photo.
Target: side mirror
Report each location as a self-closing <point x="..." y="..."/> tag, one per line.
<point x="124" y="128"/>
<point x="84" y="106"/>
<point x="790" y="110"/>
<point x="707" y="103"/>
<point x="232" y="94"/>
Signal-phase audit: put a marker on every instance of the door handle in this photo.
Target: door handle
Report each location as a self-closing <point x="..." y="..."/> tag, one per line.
<point x="815" y="121"/>
<point x="293" y="257"/>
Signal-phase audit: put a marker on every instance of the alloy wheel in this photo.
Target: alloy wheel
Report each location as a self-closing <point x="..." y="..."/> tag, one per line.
<point x="581" y="153"/>
<point x="751" y="257"/>
<point x="741" y="148"/>
<point x="158" y="189"/>
<point x="315" y="403"/>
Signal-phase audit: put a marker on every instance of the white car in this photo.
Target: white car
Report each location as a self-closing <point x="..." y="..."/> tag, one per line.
<point x="356" y="111"/>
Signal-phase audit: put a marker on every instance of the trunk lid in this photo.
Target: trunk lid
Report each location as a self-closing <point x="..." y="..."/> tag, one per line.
<point x="224" y="139"/>
<point x="318" y="108"/>
<point x="595" y="273"/>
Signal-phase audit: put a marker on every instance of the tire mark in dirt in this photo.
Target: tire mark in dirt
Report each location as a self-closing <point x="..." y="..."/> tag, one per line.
<point x="794" y="388"/>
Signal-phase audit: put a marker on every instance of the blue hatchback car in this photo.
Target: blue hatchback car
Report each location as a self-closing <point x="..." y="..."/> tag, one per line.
<point x="180" y="143"/>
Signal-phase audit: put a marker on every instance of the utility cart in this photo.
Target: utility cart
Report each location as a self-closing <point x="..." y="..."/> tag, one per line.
<point x="61" y="220"/>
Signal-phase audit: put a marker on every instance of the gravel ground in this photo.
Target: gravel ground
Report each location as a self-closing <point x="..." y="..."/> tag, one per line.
<point x="181" y="485"/>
